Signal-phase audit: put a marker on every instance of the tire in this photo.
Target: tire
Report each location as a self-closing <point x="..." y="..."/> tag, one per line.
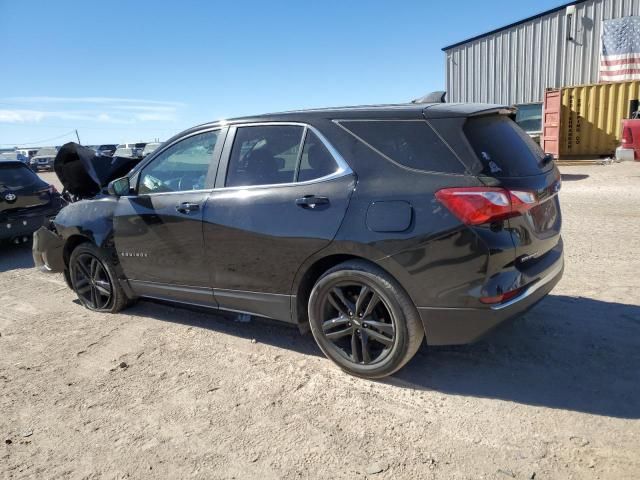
<point x="357" y="305"/>
<point x="88" y="259"/>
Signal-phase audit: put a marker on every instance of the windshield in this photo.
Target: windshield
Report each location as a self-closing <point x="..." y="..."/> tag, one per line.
<point x="16" y="176"/>
<point x="123" y="152"/>
<point x="47" y="152"/>
<point x="150" y="147"/>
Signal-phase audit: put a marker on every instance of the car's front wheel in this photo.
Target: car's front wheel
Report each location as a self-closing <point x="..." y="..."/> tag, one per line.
<point x="363" y="320"/>
<point x="94" y="279"/>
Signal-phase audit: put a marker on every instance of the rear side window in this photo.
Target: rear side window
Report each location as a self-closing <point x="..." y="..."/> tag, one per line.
<point x="16" y="176"/>
<point x="504" y="149"/>
<point x="413" y="144"/>
<point x="316" y="161"/>
<point x="264" y="155"/>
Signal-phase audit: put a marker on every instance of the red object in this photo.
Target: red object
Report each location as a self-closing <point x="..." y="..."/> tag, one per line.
<point x="631" y="136"/>
<point x="502" y="298"/>
<point x="478" y="205"/>
<point x="550" y="141"/>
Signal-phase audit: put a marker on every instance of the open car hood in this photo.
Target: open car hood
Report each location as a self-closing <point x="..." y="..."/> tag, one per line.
<point x="84" y="174"/>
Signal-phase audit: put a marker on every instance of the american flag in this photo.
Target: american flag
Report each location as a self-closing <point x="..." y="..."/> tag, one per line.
<point x="620" y="50"/>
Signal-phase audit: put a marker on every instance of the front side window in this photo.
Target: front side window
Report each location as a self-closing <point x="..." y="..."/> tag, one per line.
<point x="181" y="167"/>
<point x="264" y="155"/>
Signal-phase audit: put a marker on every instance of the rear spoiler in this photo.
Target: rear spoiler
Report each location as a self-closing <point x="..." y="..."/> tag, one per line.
<point x="448" y="110"/>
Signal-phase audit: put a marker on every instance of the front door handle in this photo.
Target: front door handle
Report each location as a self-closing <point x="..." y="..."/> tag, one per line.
<point x="187" y="207"/>
<point x="311" y="201"/>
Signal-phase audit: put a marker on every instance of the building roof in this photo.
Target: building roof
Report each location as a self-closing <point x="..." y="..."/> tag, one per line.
<point x="511" y="25"/>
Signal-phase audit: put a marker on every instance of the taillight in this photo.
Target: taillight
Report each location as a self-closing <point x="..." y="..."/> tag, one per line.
<point x="627" y="136"/>
<point x="504" y="297"/>
<point x="478" y="205"/>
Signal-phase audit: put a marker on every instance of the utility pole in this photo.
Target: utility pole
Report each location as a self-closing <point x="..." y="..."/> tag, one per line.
<point x="78" y="137"/>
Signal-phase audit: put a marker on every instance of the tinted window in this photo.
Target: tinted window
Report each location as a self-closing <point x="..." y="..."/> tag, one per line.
<point x="316" y="161"/>
<point x="413" y="144"/>
<point x="504" y="149"/>
<point x="264" y="155"/>
<point x="181" y="167"/>
<point x="16" y="176"/>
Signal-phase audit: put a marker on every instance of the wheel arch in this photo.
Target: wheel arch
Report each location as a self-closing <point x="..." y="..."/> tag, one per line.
<point x="70" y="245"/>
<point x="107" y="244"/>
<point x="310" y="275"/>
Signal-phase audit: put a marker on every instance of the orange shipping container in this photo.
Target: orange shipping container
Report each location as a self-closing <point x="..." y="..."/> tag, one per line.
<point x="584" y="121"/>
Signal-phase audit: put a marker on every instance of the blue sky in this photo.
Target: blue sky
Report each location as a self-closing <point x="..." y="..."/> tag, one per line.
<point x="137" y="70"/>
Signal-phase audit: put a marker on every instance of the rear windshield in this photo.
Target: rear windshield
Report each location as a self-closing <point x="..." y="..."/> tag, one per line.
<point x="413" y="144"/>
<point x="504" y="149"/>
<point x="16" y="176"/>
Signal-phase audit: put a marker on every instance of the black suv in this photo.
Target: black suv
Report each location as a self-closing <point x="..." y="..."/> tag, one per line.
<point x="374" y="226"/>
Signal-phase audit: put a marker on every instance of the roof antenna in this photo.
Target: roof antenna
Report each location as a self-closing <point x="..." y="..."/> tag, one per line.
<point x="433" y="97"/>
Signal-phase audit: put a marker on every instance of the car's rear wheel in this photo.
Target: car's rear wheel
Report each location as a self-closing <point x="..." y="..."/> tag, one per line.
<point x="94" y="279"/>
<point x="363" y="320"/>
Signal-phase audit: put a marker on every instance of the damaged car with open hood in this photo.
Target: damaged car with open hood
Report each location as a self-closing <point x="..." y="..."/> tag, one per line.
<point x="375" y="227"/>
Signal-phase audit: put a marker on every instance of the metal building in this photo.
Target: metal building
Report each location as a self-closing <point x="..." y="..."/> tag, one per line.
<point x="515" y="64"/>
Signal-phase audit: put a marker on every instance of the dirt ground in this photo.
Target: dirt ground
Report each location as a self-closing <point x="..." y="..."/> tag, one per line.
<point x="163" y="392"/>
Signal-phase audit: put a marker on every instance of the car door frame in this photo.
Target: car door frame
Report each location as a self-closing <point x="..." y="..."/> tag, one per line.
<point x="270" y="305"/>
<point x="193" y="295"/>
<point x="134" y="175"/>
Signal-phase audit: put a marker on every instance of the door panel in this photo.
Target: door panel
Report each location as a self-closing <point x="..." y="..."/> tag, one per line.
<point x="158" y="243"/>
<point x="256" y="238"/>
<point x="158" y="232"/>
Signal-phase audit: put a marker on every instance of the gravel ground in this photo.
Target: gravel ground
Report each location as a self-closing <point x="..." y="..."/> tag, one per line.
<point x="163" y="392"/>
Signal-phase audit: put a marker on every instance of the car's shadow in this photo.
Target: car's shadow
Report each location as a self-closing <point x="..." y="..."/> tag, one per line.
<point x="13" y="257"/>
<point x="569" y="177"/>
<point x="262" y="330"/>
<point x="571" y="353"/>
<point x="568" y="352"/>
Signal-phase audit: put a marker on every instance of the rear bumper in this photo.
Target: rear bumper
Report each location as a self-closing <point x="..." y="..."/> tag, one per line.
<point x="455" y="326"/>
<point x="48" y="250"/>
<point x="24" y="223"/>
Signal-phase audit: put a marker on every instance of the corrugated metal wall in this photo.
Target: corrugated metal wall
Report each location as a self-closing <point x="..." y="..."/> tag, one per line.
<point x="515" y="66"/>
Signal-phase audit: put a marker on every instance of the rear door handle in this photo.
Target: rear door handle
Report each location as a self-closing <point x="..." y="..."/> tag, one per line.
<point x="311" y="201"/>
<point x="187" y="207"/>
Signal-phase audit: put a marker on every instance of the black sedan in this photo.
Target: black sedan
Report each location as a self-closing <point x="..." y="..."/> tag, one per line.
<point x="372" y="226"/>
<point x="26" y="201"/>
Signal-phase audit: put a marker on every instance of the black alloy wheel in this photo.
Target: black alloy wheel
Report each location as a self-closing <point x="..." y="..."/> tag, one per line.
<point x="92" y="271"/>
<point x="91" y="282"/>
<point x="363" y="320"/>
<point x="357" y="322"/>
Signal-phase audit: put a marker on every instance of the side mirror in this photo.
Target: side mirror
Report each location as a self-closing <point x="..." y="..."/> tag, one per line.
<point x="119" y="187"/>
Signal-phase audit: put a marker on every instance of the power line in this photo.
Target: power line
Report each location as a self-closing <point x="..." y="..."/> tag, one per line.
<point x="41" y="141"/>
